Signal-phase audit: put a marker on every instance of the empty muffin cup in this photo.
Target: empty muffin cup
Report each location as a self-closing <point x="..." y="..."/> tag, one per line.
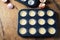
<point x="51" y="21"/>
<point x="22" y="31"/>
<point x="32" y="13"/>
<point x="41" y="21"/>
<point x="32" y="31"/>
<point x="23" y="13"/>
<point x="41" y="13"/>
<point x="42" y="30"/>
<point x="50" y="13"/>
<point x="23" y="21"/>
<point x="32" y="21"/>
<point x="51" y="30"/>
<point x="31" y="2"/>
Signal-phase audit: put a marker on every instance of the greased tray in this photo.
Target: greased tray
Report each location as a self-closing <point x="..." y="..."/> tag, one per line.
<point x="30" y="3"/>
<point x="37" y="23"/>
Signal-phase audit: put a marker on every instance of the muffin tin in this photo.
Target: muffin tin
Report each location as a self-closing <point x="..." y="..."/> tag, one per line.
<point x="37" y="23"/>
<point x="29" y="3"/>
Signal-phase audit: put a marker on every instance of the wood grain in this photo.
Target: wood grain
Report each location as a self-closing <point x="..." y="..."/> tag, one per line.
<point x="9" y="18"/>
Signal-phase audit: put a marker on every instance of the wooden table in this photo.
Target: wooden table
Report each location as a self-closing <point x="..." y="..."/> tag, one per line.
<point x="9" y="18"/>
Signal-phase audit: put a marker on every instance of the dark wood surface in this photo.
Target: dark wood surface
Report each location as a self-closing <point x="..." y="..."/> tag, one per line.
<point x="9" y="18"/>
